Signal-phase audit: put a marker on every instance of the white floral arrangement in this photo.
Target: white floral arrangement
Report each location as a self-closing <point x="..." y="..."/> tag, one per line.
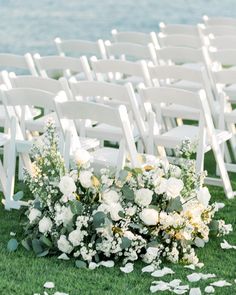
<point x="155" y="213"/>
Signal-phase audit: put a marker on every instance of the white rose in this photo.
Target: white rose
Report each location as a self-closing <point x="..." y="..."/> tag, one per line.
<point x="175" y="171"/>
<point x="67" y="185"/>
<point x="81" y="156"/>
<point x="114" y="209"/>
<point x="45" y="225"/>
<point x="63" y="245"/>
<point x="204" y="196"/>
<point x="131" y="211"/>
<point x="63" y="215"/>
<point x="85" y="178"/>
<point x="149" y="216"/>
<point x="143" y="197"/>
<point x="75" y="237"/>
<point x="34" y="214"/>
<point x="128" y="234"/>
<point x="110" y="196"/>
<point x="172" y="187"/>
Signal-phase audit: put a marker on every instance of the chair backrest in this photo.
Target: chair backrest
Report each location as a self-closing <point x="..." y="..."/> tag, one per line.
<point x="177" y="40"/>
<point x="224" y="57"/>
<point x="68" y="65"/>
<point x="219" y="21"/>
<point x="135" y="37"/>
<point x="13" y="61"/>
<point x="130" y="51"/>
<point x="177" y="73"/>
<point x="178" y="29"/>
<point x="77" y="47"/>
<point x="118" y="117"/>
<point x="217" y="30"/>
<point x="116" y="70"/>
<point x="180" y="55"/>
<point x="223" y="42"/>
<point x="111" y="94"/>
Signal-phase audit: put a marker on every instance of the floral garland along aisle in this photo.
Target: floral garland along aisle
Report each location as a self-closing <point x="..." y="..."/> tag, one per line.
<point x="155" y="213"/>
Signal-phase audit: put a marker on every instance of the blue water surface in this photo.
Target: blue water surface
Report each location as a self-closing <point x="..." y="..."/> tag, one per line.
<point x="31" y="26"/>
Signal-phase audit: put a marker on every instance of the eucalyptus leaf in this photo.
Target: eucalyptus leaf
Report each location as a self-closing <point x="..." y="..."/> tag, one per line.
<point x="43" y="254"/>
<point x="128" y="193"/>
<point x="76" y="207"/>
<point x="125" y="243"/>
<point x="46" y="241"/>
<point x="37" y="247"/>
<point x="12" y="245"/>
<point x="175" y="205"/>
<point x="18" y="196"/>
<point x="80" y="264"/>
<point x="26" y="244"/>
<point x="123" y="175"/>
<point x="99" y="219"/>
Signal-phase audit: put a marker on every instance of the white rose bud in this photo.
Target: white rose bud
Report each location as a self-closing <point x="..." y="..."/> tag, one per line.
<point x="63" y="245"/>
<point x="110" y="196"/>
<point x="45" y="225"/>
<point x="85" y="179"/>
<point x="114" y="209"/>
<point x="203" y="196"/>
<point x="34" y="214"/>
<point x="143" y="197"/>
<point x="81" y="156"/>
<point x="67" y="185"/>
<point x="149" y="216"/>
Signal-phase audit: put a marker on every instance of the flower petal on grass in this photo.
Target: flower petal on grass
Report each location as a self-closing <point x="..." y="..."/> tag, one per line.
<point x="207" y="276"/>
<point x="162" y="272"/>
<point x="49" y="285"/>
<point x="148" y="268"/>
<point x="175" y="283"/>
<point x="221" y="283"/>
<point x="108" y="263"/>
<point x="179" y="291"/>
<point x="194" y="277"/>
<point x="160" y="286"/>
<point x="129" y="267"/>
<point x="93" y="265"/>
<point x="195" y="291"/>
<point x="225" y="245"/>
<point x="63" y="256"/>
<point x="209" y="290"/>
<point x="190" y="266"/>
<point x="60" y="293"/>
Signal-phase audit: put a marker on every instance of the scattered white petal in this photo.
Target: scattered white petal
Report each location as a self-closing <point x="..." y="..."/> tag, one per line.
<point x="49" y="285"/>
<point x="161" y="286"/>
<point x="221" y="283"/>
<point x="190" y="266"/>
<point x="235" y="281"/>
<point x="108" y="263"/>
<point x="129" y="267"/>
<point x="200" y="265"/>
<point x="63" y="256"/>
<point x="45" y="293"/>
<point x="93" y="265"/>
<point x="199" y="242"/>
<point x="148" y="268"/>
<point x="183" y="287"/>
<point x="12" y="234"/>
<point x="175" y="283"/>
<point x="225" y="245"/>
<point x="194" y="277"/>
<point x="207" y="276"/>
<point x="209" y="290"/>
<point x="195" y="291"/>
<point x="219" y="205"/>
<point x="162" y="272"/>
<point x="36" y="294"/>
<point x="179" y="291"/>
<point x="60" y="293"/>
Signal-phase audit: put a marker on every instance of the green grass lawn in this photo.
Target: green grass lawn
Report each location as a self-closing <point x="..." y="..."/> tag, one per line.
<point x="22" y="273"/>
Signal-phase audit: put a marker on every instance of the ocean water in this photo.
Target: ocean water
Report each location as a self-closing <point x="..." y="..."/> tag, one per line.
<point x="31" y="26"/>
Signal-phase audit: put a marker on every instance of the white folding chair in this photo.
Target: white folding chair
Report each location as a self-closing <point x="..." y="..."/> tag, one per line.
<point x="217" y="30"/>
<point x="78" y="48"/>
<point x="135" y="37"/>
<point x="205" y="135"/>
<point x="115" y="117"/>
<point x="113" y="95"/>
<point x="222" y="42"/>
<point x="49" y="66"/>
<point x="219" y="21"/>
<point x="178" y="29"/>
<point x="130" y="51"/>
<point x="178" y="40"/>
<point x="120" y="71"/>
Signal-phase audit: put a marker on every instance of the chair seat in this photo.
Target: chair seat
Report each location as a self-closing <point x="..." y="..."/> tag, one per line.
<point x="175" y="136"/>
<point x="39" y="124"/>
<point x="105" y="157"/>
<point x="186" y="85"/>
<point x="230" y="117"/>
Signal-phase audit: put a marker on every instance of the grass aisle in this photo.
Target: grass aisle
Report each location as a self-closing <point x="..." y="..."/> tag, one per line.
<point x="23" y="274"/>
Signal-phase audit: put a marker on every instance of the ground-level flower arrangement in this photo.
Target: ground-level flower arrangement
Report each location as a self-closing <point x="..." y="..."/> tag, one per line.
<point x="156" y="213"/>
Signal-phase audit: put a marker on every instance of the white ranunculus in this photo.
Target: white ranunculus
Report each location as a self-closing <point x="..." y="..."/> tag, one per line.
<point x="81" y="156"/>
<point x="172" y="187"/>
<point x="63" y="245"/>
<point x="34" y="214"/>
<point x="203" y="196"/>
<point x="114" y="209"/>
<point x="85" y="178"/>
<point x="67" y="185"/>
<point x="45" y="225"/>
<point x="143" y="197"/>
<point x="75" y="237"/>
<point x="110" y="196"/>
<point x="149" y="216"/>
